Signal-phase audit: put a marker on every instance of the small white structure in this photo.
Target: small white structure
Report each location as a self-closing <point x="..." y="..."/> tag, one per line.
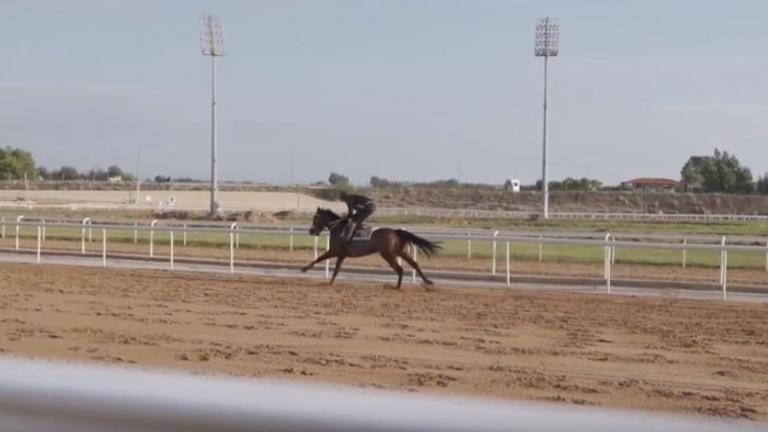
<point x="512" y="185"/>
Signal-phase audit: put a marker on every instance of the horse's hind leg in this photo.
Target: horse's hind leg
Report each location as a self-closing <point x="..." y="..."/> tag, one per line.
<point x="392" y="261"/>
<point x="411" y="262"/>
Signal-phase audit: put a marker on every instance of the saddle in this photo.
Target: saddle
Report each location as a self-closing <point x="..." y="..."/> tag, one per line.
<point x="363" y="232"/>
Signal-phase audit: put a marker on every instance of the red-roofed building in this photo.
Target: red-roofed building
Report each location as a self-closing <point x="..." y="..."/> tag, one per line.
<point x="649" y="183"/>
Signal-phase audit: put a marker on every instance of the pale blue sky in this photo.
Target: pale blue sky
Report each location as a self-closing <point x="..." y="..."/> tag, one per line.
<point x="405" y="89"/>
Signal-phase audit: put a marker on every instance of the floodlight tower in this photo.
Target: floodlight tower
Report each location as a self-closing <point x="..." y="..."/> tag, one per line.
<point x="212" y="44"/>
<point x="547" y="45"/>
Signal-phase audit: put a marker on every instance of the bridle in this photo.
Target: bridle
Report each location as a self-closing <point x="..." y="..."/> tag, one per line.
<point x="330" y="225"/>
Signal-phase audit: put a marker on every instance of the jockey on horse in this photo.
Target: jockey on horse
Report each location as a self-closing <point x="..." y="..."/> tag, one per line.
<point x="359" y="208"/>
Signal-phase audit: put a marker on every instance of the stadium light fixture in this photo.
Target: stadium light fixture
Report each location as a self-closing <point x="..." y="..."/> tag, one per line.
<point x="547" y="45"/>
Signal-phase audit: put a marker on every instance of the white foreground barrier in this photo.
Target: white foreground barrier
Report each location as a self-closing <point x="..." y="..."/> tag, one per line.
<point x="40" y="396"/>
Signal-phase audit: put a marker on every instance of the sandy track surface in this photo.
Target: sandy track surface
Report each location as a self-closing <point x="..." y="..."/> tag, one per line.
<point x="665" y="354"/>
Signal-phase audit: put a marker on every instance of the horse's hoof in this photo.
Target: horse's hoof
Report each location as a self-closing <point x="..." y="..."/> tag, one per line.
<point x="304" y="270"/>
<point x="428" y="282"/>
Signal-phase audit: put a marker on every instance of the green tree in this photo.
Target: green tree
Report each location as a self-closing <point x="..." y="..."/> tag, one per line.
<point x="42" y="173"/>
<point x="97" y="174"/>
<point x="65" y="173"/>
<point x="115" y="171"/>
<point x="721" y="172"/>
<point x="379" y="182"/>
<point x="692" y="172"/>
<point x="572" y="184"/>
<point x="338" y="180"/>
<point x="14" y="163"/>
<point x="762" y="184"/>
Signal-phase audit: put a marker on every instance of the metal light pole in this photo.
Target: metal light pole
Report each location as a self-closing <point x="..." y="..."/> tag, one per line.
<point x="547" y="45"/>
<point x="212" y="45"/>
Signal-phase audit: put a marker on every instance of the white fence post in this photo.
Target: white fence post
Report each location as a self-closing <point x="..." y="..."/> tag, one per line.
<point x="237" y="236"/>
<point x="82" y="235"/>
<point x="18" y="221"/>
<point x="685" y="252"/>
<point x="509" y="269"/>
<point x="184" y="235"/>
<point x="613" y="249"/>
<point x="90" y="231"/>
<point x="766" y="256"/>
<point x="607" y="270"/>
<point x="493" y="252"/>
<point x="469" y="245"/>
<point x="170" y="233"/>
<point x="722" y="242"/>
<point x="103" y="247"/>
<point x="328" y="262"/>
<point x="723" y="266"/>
<point x="39" y="242"/>
<point x="541" y="248"/>
<point x="2" y="235"/>
<point x="290" y="239"/>
<point x="135" y="233"/>
<point x="232" y="247"/>
<point x="42" y="231"/>
<point x="317" y="238"/>
<point x="152" y="238"/>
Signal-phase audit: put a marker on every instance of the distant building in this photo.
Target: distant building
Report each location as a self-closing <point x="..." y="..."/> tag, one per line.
<point x="651" y="184"/>
<point x="512" y="185"/>
<point x="115" y="179"/>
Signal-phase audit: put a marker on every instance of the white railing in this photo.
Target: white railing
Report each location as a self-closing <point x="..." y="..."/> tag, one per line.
<point x="422" y="230"/>
<point x="609" y="242"/>
<point x="42" y="396"/>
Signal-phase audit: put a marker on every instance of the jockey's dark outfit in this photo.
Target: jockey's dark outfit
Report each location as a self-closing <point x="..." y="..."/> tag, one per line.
<point x="359" y="208"/>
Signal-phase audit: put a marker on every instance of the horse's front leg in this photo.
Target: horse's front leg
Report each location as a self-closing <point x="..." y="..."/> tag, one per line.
<point x="321" y="258"/>
<point x="339" y="260"/>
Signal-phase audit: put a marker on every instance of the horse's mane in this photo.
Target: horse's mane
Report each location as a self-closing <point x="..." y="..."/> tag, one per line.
<point x="328" y="212"/>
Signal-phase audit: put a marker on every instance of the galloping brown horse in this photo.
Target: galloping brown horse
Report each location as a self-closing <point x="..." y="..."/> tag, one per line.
<point x="389" y="243"/>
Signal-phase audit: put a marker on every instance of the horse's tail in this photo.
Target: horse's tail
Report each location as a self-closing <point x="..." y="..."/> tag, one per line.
<point x="424" y="245"/>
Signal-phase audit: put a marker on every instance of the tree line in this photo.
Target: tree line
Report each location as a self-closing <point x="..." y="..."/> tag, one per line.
<point x="17" y="164"/>
<point x="720" y="173"/>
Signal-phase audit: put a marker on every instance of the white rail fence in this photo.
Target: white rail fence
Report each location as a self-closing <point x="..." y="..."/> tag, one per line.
<point x="607" y="241"/>
<point x="40" y="396"/>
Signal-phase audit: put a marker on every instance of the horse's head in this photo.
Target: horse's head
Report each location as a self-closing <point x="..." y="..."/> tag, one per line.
<point x="323" y="217"/>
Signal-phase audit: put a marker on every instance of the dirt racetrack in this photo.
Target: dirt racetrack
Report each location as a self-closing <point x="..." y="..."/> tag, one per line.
<point x="655" y="353"/>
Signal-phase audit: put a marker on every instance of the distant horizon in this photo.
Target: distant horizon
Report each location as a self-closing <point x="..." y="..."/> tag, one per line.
<point x="188" y="179"/>
<point x="395" y="181"/>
